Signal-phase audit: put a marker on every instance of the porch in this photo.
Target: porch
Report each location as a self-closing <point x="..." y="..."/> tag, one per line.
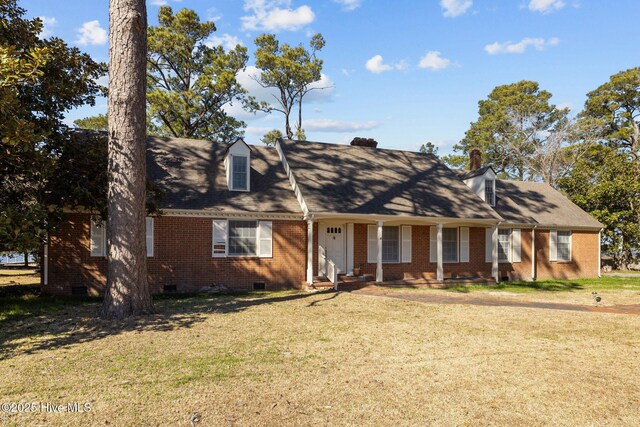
<point x="351" y="250"/>
<point x="348" y="283"/>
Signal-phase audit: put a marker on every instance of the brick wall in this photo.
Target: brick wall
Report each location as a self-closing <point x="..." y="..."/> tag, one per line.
<point x="182" y="257"/>
<point x="584" y="257"/>
<point x="420" y="267"/>
<point x="583" y="264"/>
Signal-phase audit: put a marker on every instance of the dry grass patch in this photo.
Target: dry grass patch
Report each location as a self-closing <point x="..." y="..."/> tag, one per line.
<point x="614" y="290"/>
<point x="19" y="276"/>
<point x="339" y="359"/>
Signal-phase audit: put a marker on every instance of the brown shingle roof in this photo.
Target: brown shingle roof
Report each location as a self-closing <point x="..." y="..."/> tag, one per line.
<point x="192" y="175"/>
<point x="526" y="202"/>
<point x="359" y="180"/>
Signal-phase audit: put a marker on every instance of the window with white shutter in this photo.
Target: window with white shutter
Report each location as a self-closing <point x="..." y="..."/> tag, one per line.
<point x="553" y="245"/>
<point x="464" y="244"/>
<point x="149" y="235"/>
<point x="372" y="244"/>
<point x="266" y="239"/>
<point x="98" y="237"/>
<point x="406" y="243"/>
<point x="516" y="245"/>
<point x="219" y="242"/>
<point x="504" y="243"/>
<point x="433" y="244"/>
<point x="564" y="246"/>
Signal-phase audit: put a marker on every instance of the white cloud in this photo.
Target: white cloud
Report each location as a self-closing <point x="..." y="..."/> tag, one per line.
<point x="91" y="33"/>
<point x="433" y="61"/>
<point x="213" y="15"/>
<point x="227" y="41"/>
<point x="47" y="26"/>
<point x="323" y="90"/>
<point x="349" y="5"/>
<point x="521" y="46"/>
<point x="546" y="6"/>
<point x="275" y="15"/>
<point x="162" y="2"/>
<point x="104" y="80"/>
<point x="329" y="125"/>
<point x="376" y="65"/>
<point x="257" y="130"/>
<point x="453" y="8"/>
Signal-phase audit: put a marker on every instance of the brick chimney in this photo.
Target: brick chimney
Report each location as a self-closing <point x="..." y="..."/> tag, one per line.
<point x="364" y="142"/>
<point x="475" y="159"/>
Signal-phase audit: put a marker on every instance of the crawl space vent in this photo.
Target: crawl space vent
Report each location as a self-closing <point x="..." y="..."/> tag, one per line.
<point x="169" y="289"/>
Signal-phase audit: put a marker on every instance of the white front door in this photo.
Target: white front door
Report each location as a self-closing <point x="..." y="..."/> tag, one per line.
<point x="335" y="245"/>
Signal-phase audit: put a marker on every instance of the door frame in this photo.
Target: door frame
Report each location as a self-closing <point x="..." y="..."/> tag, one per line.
<point x="322" y="244"/>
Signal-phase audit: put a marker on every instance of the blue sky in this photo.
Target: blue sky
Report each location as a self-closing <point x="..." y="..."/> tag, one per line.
<point x="403" y="72"/>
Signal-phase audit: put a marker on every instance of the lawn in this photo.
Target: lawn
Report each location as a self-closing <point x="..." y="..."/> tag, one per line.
<point x="614" y="290"/>
<point x="18" y="276"/>
<point x="289" y="358"/>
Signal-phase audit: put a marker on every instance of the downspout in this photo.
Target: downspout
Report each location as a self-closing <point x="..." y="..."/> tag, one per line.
<point x="599" y="253"/>
<point x="533" y="253"/>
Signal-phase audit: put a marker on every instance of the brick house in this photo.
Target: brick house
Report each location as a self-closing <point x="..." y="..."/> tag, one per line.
<point x="255" y="217"/>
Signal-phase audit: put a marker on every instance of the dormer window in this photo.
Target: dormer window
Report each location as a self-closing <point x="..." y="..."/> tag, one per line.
<point x="237" y="162"/>
<point x="240" y="173"/>
<point x="489" y="191"/>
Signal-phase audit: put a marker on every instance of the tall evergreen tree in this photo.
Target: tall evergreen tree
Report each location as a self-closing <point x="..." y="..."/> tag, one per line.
<point x="514" y="124"/>
<point x="127" y="291"/>
<point x="190" y="82"/>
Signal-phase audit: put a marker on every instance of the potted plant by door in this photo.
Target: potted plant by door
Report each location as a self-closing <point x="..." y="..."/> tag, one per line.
<point x="357" y="271"/>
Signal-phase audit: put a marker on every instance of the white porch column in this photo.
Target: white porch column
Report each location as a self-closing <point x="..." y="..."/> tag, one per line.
<point x="440" y="270"/>
<point x="533" y="253"/>
<point x="310" y="251"/>
<point x="379" y="276"/>
<point x="494" y="253"/>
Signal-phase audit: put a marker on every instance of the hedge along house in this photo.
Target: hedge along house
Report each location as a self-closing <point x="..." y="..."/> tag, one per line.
<point x="251" y="217"/>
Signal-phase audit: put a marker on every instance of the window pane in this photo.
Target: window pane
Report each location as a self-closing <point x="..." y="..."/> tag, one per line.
<point x="488" y="192"/>
<point x="449" y="244"/>
<point x="564" y="246"/>
<point x="242" y="237"/>
<point x="390" y="244"/>
<point x="239" y="173"/>
<point x="503" y="245"/>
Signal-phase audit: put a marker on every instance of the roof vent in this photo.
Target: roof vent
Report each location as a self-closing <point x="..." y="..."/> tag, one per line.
<point x="364" y="142"/>
<point x="475" y="159"/>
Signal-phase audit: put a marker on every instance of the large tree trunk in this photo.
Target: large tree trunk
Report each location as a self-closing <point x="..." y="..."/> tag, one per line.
<point x="127" y="290"/>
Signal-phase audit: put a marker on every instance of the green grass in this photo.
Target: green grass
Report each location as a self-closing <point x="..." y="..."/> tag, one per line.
<point x="598" y="284"/>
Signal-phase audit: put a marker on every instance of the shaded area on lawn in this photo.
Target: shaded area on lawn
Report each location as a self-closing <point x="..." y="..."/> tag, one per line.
<point x="31" y="323"/>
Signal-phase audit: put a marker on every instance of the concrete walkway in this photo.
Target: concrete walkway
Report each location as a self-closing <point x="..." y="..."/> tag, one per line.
<point x="489" y="301"/>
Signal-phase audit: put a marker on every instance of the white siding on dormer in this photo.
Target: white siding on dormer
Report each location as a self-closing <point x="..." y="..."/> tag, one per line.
<point x="240" y="149"/>
<point x="476" y="183"/>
